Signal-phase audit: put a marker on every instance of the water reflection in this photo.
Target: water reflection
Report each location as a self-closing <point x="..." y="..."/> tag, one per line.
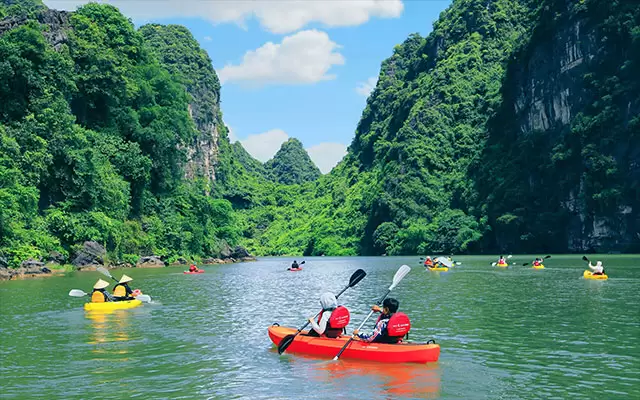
<point x="387" y="379"/>
<point x="109" y="328"/>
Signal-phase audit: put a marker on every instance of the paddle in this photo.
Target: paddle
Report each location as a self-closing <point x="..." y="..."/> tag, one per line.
<point x="77" y="293"/>
<point x="402" y="272"/>
<point x="493" y="264"/>
<point x="287" y="340"/>
<point x="145" y="298"/>
<point x="544" y="258"/>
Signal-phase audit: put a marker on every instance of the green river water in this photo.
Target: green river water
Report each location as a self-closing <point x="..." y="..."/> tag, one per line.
<point x="513" y="333"/>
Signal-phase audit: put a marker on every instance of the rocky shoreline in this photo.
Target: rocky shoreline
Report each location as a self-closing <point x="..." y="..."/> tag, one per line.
<point x="93" y="255"/>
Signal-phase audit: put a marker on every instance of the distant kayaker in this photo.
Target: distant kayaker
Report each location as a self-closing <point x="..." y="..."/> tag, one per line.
<point x="537" y="262"/>
<point x="332" y="320"/>
<point x="193" y="268"/>
<point x="295" y="265"/>
<point x="391" y="326"/>
<point x="99" y="294"/>
<point x="122" y="291"/>
<point x="598" y="269"/>
<point x="428" y="262"/>
<point x="502" y="260"/>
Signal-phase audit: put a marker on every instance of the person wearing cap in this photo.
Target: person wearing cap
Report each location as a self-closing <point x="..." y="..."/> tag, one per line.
<point x="122" y="291"/>
<point x="99" y="294"/>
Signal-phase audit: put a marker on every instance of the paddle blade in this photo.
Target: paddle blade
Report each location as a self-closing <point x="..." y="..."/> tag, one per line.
<point x="302" y="262"/>
<point x="509" y="256"/>
<point x="493" y="264"/>
<point x="145" y="298"/>
<point x="547" y="257"/>
<point x="104" y="272"/>
<point x="357" y="277"/>
<point x="525" y="264"/>
<point x="285" y="342"/>
<point x="402" y="272"/>
<point x="77" y="293"/>
<point x="585" y="258"/>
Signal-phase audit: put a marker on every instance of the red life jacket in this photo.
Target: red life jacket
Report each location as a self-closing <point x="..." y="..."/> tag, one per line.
<point x="397" y="327"/>
<point x="337" y="321"/>
<point x="536" y="263"/>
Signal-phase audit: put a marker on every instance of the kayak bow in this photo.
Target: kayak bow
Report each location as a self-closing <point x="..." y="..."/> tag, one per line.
<point x="590" y="275"/>
<point x="112" y="305"/>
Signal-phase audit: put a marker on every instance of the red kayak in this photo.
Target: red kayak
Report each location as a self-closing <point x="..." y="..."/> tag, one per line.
<point x="294" y="269"/>
<point x="389" y="353"/>
<point x="200" y="271"/>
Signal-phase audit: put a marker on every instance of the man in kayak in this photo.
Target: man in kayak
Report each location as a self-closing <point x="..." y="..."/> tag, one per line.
<point x="99" y="294"/>
<point x="502" y="261"/>
<point x="391" y="325"/>
<point x="193" y="268"/>
<point x="598" y="269"/>
<point x="428" y="262"/>
<point x="537" y="262"/>
<point x="295" y="265"/>
<point x="332" y="320"/>
<point x="122" y="291"/>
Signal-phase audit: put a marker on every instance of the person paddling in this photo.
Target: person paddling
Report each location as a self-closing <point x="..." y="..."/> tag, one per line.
<point x="537" y="262"/>
<point x="428" y="262"/>
<point x="99" y="294"/>
<point x="295" y="265"/>
<point x="391" y="326"/>
<point x="122" y="291"/>
<point x="332" y="320"/>
<point x="193" y="268"/>
<point x="502" y="261"/>
<point x="598" y="269"/>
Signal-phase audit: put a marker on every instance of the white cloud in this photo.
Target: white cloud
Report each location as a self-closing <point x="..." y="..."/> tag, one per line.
<point x="304" y="57"/>
<point x="365" y="88"/>
<point x="264" y="145"/>
<point x="208" y="38"/>
<point x="327" y="155"/>
<point x="232" y="136"/>
<point x="277" y="16"/>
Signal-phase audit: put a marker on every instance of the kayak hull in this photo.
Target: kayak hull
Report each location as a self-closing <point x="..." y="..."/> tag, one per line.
<point x="502" y="265"/>
<point x="443" y="269"/>
<point x="379" y="352"/>
<point x="200" y="271"/>
<point x="590" y="275"/>
<point x="538" y="266"/>
<point x="112" y="305"/>
<point x="294" y="269"/>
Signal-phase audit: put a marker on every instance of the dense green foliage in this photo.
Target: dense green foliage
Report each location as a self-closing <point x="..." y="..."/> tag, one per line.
<point x="93" y="139"/>
<point x="291" y="164"/>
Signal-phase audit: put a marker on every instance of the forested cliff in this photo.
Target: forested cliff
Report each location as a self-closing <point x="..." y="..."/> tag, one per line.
<point x="513" y="126"/>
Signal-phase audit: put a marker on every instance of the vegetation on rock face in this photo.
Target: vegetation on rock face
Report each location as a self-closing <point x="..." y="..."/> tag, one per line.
<point x="486" y="135"/>
<point x="92" y="146"/>
<point x="292" y="165"/>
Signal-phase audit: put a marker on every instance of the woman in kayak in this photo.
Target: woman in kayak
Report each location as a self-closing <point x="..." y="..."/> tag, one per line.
<point x="122" y="291"/>
<point x="598" y="269"/>
<point x="391" y="325"/>
<point x="428" y="262"/>
<point x="332" y="320"/>
<point x="99" y="294"/>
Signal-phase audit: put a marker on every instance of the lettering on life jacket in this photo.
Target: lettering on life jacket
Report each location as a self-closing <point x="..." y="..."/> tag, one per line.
<point x="398" y="325"/>
<point x="338" y="320"/>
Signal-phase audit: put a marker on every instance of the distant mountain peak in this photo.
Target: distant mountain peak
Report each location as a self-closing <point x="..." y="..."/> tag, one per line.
<point x="292" y="164"/>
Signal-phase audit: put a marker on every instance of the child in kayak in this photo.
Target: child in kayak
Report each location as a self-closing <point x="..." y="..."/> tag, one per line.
<point x="99" y="294"/>
<point x="332" y="320"/>
<point x="391" y="325"/>
<point x="122" y="291"/>
<point x="598" y="269"/>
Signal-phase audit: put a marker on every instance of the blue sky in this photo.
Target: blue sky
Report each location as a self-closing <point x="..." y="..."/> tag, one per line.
<point x="291" y="69"/>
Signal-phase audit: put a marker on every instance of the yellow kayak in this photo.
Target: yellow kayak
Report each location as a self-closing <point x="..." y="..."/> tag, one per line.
<point x="112" y="305"/>
<point x="443" y="269"/>
<point x="502" y="265"/>
<point x="590" y="275"/>
<point x="538" y="266"/>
